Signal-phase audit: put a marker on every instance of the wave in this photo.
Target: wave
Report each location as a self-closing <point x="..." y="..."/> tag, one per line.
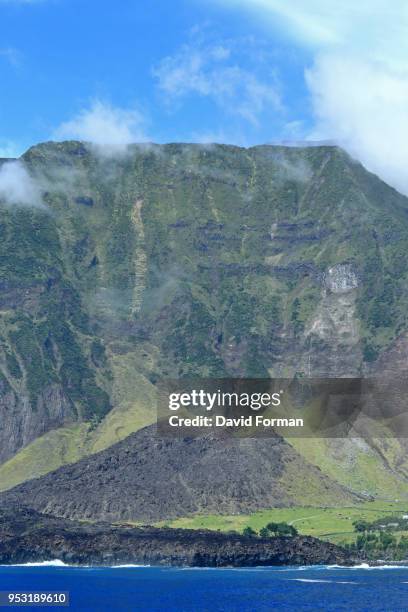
<point x="308" y="580"/>
<point x="322" y="580"/>
<point x="342" y="567"/>
<point x="127" y="565"/>
<point x="300" y="568"/>
<point x="50" y="563"/>
<point x="366" y="566"/>
<point x="361" y="566"/>
<point x="59" y="563"/>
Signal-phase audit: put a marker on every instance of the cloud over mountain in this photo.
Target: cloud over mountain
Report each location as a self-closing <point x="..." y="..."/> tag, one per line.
<point x="358" y="78"/>
<point x="17" y="187"/>
<point x="107" y="127"/>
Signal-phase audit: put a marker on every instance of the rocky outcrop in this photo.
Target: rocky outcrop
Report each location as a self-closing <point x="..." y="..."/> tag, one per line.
<point x="340" y="279"/>
<point x="332" y="345"/>
<point x="27" y="536"/>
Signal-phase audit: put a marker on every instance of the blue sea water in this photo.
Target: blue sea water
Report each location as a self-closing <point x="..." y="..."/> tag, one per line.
<point x="177" y="589"/>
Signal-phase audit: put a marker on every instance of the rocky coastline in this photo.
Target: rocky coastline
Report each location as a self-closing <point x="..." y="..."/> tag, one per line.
<point x="27" y="536"/>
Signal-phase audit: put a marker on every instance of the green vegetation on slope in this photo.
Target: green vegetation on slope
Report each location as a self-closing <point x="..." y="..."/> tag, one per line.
<point x="188" y="260"/>
<point x="134" y="398"/>
<point x="357" y="464"/>
<point x="333" y="524"/>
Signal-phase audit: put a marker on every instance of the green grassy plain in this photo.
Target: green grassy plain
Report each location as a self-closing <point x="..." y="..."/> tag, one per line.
<point x="333" y="524"/>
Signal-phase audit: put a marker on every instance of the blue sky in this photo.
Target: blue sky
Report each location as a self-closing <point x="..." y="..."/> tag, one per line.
<point x="236" y="71"/>
<point x="57" y="57"/>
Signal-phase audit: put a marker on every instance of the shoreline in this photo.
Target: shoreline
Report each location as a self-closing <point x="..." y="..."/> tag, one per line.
<point x="27" y="536"/>
<point x="57" y="563"/>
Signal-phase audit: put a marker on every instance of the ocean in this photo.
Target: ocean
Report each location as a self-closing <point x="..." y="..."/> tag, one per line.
<point x="148" y="589"/>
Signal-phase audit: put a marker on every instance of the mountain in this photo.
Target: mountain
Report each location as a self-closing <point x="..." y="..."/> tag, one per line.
<point x="173" y="260"/>
<point x="145" y="478"/>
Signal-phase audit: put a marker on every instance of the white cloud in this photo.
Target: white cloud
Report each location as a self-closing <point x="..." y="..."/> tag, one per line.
<point x="376" y="27"/>
<point x="110" y="129"/>
<point x="364" y="106"/>
<point x="210" y="71"/>
<point x="358" y="79"/>
<point x="17" y="187"/>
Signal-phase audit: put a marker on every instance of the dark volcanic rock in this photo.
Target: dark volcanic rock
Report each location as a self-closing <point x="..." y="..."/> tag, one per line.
<point x="27" y="536"/>
<point x="147" y="478"/>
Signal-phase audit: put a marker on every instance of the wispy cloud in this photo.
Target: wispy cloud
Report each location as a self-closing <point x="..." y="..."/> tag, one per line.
<point x="358" y="79"/>
<point x="212" y="71"/>
<point x="12" y="55"/>
<point x="17" y="187"/>
<point x="325" y="23"/>
<point x="110" y="129"/>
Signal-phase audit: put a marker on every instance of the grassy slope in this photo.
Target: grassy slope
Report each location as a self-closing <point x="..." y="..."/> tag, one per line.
<point x="334" y="524"/>
<point x="69" y="444"/>
<point x="356" y="465"/>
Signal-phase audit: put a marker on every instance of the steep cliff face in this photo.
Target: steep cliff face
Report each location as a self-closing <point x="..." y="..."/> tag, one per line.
<point x="182" y="259"/>
<point x="48" y="376"/>
<point x="23" y="421"/>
